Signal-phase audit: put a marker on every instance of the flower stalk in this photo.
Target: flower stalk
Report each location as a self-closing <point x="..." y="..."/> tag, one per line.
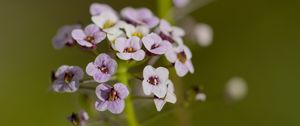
<point x="122" y="76"/>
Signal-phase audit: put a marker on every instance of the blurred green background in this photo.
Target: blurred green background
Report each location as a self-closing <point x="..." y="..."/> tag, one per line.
<point x="255" y="39"/>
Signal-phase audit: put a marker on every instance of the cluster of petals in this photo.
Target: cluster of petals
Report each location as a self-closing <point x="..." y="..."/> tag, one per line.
<point x="133" y="34"/>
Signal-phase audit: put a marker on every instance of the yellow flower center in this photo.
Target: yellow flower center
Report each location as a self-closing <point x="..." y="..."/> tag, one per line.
<point x="137" y="34"/>
<point x="108" y="24"/>
<point x="129" y="50"/>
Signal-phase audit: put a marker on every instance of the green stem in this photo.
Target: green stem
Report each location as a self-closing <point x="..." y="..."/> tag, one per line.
<point x="123" y="77"/>
<point x="164" y="9"/>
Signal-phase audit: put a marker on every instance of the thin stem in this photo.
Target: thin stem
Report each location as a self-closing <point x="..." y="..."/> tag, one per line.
<point x="123" y="77"/>
<point x="87" y="81"/>
<point x="142" y="98"/>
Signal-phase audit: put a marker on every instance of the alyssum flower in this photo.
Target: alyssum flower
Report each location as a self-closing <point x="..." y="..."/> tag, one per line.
<point x="111" y="98"/>
<point x="170" y="33"/>
<point x="155" y="81"/>
<point x="155" y="44"/>
<point x="89" y="37"/>
<point x="102" y="68"/>
<point x="181" y="57"/>
<point x="129" y="48"/>
<point x="97" y="9"/>
<point x="79" y="119"/>
<point x="66" y="78"/>
<point x="63" y="36"/>
<point x="141" y="16"/>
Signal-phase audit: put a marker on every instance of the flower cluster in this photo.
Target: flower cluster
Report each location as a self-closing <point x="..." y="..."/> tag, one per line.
<point x="134" y="35"/>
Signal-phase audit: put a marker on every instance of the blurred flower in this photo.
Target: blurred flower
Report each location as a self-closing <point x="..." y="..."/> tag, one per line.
<point x="170" y="33"/>
<point x="67" y="78"/>
<point x="106" y="20"/>
<point x="111" y="98"/>
<point x="155" y="81"/>
<point x="102" y="68"/>
<point x="169" y="97"/>
<point x="141" y="16"/>
<point x="198" y="32"/>
<point x="236" y="89"/>
<point x="181" y="3"/>
<point x="79" y="119"/>
<point x="203" y="33"/>
<point x="129" y="48"/>
<point x="155" y="44"/>
<point x="181" y="57"/>
<point x="138" y="31"/>
<point x="97" y="9"/>
<point x="63" y="36"/>
<point x="200" y="96"/>
<point x="88" y="37"/>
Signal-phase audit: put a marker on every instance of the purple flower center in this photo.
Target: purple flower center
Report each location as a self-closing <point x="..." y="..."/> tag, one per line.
<point x="90" y="39"/>
<point x="103" y="69"/>
<point x="129" y="50"/>
<point x="181" y="57"/>
<point x="68" y="77"/>
<point x="166" y="37"/>
<point x="113" y="95"/>
<point x="154" y="46"/>
<point x="154" y="80"/>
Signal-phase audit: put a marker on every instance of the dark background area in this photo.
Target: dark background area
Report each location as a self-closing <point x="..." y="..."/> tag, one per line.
<point x="257" y="40"/>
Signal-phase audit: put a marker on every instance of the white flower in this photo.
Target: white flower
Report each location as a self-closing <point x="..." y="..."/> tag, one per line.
<point x="139" y="31"/>
<point x="203" y="34"/>
<point x="106" y="19"/>
<point x="181" y="57"/>
<point x="170" y="97"/>
<point x="236" y="89"/>
<point x="155" y="81"/>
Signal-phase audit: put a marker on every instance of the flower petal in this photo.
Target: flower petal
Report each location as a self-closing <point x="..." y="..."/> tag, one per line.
<point x="181" y="69"/>
<point x="171" y="55"/>
<point x="162" y="73"/>
<point x="122" y="90"/>
<point x="138" y="55"/>
<point x="102" y="91"/>
<point x="99" y="37"/>
<point x="190" y="66"/>
<point x="91" y="69"/>
<point x="116" y="107"/>
<point x="160" y="90"/>
<point x="159" y="104"/>
<point x="147" y="88"/>
<point x="101" y="77"/>
<point x="78" y="34"/>
<point x="121" y="44"/>
<point x="148" y="72"/>
<point x="124" y="56"/>
<point x="101" y="105"/>
<point x="91" y="29"/>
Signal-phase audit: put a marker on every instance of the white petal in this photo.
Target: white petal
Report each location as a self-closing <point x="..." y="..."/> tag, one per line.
<point x="159" y="104"/>
<point x="162" y="73"/>
<point x="181" y="69"/>
<point x="148" y="72"/>
<point x="147" y="88"/>
<point x="138" y="55"/>
<point x="160" y="90"/>
<point x="90" y="69"/>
